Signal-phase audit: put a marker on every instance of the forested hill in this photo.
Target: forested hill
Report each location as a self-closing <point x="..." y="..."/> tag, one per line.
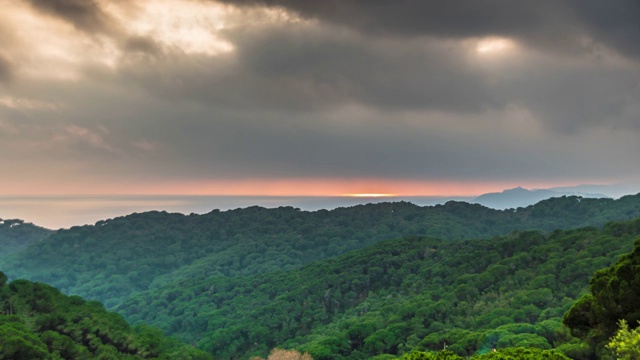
<point x="38" y="322"/>
<point x="400" y="295"/>
<point x="16" y="235"/>
<point x="116" y="258"/>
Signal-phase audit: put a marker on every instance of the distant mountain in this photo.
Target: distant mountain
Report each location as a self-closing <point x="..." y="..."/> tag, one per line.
<point x="521" y="197"/>
<point x="612" y="190"/>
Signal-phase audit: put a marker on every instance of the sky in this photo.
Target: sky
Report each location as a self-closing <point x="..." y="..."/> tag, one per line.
<point x="316" y="98"/>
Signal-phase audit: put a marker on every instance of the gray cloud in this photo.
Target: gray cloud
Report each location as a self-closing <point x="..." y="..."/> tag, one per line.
<point x="166" y="139"/>
<point x="616" y="24"/>
<point x="219" y="145"/>
<point x="5" y="70"/>
<point x="396" y="90"/>
<point x="317" y="68"/>
<point x="381" y="73"/>
<point x="560" y="25"/>
<point x="141" y="45"/>
<point x="570" y="99"/>
<point x="460" y="19"/>
<point x="84" y="15"/>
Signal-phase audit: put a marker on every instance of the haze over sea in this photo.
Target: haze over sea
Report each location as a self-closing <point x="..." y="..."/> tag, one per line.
<point x="56" y="212"/>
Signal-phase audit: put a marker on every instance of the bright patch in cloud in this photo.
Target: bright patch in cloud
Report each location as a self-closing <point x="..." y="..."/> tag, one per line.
<point x="45" y="48"/>
<point x="494" y="46"/>
<point x="191" y="27"/>
<point x="370" y="195"/>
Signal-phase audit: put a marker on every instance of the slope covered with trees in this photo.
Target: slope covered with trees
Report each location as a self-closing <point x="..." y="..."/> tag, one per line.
<point x="413" y="293"/>
<point x="38" y="322"/>
<point x="16" y="235"/>
<point x="612" y="306"/>
<point x="120" y="257"/>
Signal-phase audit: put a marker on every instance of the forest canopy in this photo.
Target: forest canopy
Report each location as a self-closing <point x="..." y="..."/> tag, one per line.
<point x="38" y="322"/>
<point x="117" y="258"/>
<point x="348" y="283"/>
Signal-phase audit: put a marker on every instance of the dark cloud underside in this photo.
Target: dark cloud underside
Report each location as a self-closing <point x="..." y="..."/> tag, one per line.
<point x="616" y="23"/>
<point x="550" y="23"/>
<point x="84" y="15"/>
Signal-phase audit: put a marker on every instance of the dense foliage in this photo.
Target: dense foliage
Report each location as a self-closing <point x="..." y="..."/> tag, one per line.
<point x="625" y="344"/>
<point x="117" y="258"/>
<point x="397" y="296"/>
<point x="38" y="322"/>
<point x="614" y="297"/>
<point x="518" y="353"/>
<point x="16" y="235"/>
<point x="241" y="282"/>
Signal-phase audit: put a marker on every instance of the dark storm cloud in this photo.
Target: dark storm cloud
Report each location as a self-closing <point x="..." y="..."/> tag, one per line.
<point x="557" y="24"/>
<point x="440" y="18"/>
<point x="314" y="69"/>
<point x="570" y="99"/>
<point x="616" y="23"/>
<point x="84" y="15"/>
<point x="381" y="73"/>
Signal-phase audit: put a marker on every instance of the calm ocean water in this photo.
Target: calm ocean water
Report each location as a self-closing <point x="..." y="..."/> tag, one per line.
<point x="56" y="212"/>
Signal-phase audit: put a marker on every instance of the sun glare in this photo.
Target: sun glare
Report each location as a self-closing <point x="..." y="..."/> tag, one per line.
<point x="192" y="27"/>
<point x="370" y="195"/>
<point x="493" y="46"/>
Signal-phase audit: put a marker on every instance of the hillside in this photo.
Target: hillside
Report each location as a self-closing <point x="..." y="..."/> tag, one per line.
<point x="38" y="322"/>
<point x="400" y="295"/>
<point x="117" y="258"/>
<point x="16" y="235"/>
<point x="605" y="316"/>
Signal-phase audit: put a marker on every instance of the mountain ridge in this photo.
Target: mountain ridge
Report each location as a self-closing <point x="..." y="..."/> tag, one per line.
<point x="116" y="258"/>
<point x="520" y="197"/>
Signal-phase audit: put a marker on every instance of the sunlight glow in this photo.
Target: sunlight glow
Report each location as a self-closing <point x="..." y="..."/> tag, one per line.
<point x="494" y="46"/>
<point x="43" y="46"/>
<point x="370" y="195"/>
<point x="280" y="188"/>
<point x="191" y="27"/>
<point x="269" y="187"/>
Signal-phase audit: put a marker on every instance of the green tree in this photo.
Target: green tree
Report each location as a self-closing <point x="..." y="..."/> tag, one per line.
<point x="614" y="296"/>
<point x="625" y="343"/>
<point x="19" y="343"/>
<point x="440" y="355"/>
<point x="522" y="353"/>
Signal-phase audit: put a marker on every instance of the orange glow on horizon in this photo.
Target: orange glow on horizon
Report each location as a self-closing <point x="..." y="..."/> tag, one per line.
<point x="370" y="195"/>
<point x="332" y="187"/>
<point x="325" y="187"/>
